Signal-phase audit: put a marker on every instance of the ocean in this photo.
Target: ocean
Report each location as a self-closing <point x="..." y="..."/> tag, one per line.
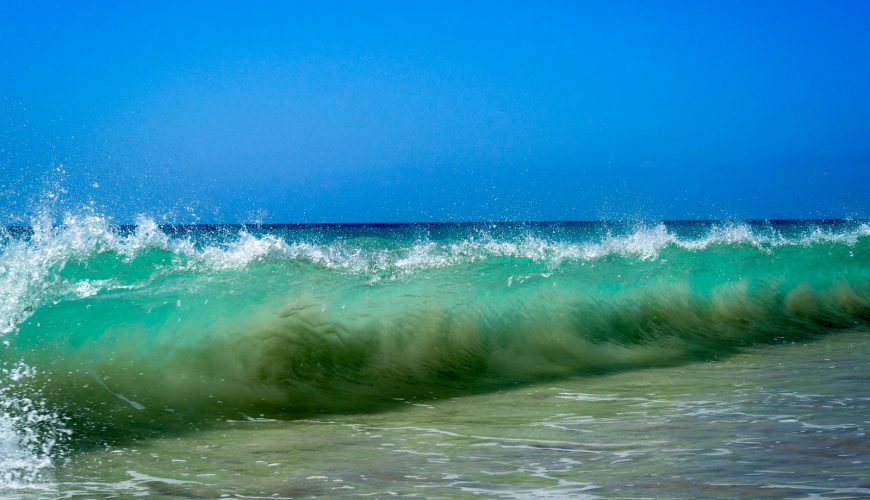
<point x="596" y="359"/>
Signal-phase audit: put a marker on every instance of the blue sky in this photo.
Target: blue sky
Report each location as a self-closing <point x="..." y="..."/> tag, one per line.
<point x="413" y="111"/>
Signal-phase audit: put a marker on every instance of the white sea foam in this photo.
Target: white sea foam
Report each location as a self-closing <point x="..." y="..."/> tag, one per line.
<point x="29" y="267"/>
<point x="31" y="435"/>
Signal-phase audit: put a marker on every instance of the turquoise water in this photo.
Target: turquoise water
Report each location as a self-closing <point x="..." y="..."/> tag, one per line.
<point x="630" y="359"/>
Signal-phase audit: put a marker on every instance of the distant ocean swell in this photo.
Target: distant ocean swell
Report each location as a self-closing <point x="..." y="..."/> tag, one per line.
<point x="109" y="331"/>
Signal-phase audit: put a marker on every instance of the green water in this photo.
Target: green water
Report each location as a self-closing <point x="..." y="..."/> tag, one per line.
<point x="786" y="421"/>
<point x="680" y="359"/>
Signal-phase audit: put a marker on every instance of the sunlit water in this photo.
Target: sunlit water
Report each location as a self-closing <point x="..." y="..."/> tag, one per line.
<point x="678" y="360"/>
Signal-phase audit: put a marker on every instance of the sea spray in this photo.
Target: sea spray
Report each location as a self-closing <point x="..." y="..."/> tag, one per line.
<point x="32" y="436"/>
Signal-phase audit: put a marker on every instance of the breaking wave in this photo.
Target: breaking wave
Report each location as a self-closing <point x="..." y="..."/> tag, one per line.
<point x="112" y="330"/>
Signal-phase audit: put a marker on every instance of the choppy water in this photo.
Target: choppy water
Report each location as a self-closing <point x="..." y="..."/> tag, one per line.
<point x="665" y="359"/>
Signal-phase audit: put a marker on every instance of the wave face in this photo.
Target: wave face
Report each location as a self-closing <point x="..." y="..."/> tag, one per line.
<point x="109" y="331"/>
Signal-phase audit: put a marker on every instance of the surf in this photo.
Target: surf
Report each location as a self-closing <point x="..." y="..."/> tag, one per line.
<point x="141" y="330"/>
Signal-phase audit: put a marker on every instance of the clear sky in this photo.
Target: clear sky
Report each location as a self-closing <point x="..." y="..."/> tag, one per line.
<point x="424" y="111"/>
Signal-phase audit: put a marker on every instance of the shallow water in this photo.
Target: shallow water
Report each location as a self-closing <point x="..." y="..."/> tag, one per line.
<point x="785" y="421"/>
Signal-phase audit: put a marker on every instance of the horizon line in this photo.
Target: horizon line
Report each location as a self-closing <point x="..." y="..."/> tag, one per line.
<point x="827" y="220"/>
